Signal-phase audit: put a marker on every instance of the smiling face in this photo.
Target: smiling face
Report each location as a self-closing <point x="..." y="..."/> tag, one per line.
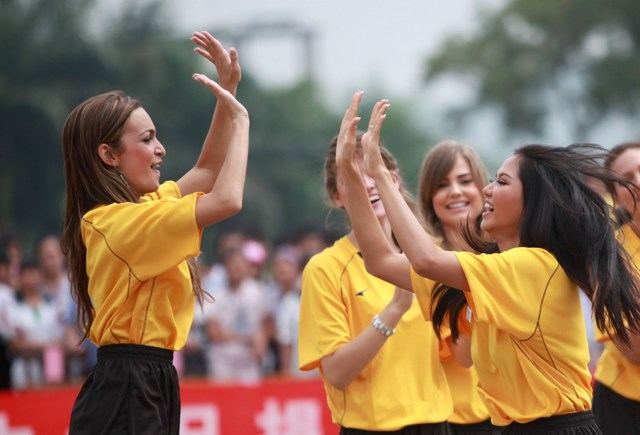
<point x="627" y="166"/>
<point x="140" y="154"/>
<point x="457" y="196"/>
<point x="503" y="204"/>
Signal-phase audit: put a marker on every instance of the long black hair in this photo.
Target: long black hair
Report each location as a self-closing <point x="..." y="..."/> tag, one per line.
<point x="563" y="214"/>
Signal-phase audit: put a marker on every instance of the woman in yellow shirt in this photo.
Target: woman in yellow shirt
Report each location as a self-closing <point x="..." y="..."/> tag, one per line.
<point x="552" y="234"/>
<point x="450" y="192"/>
<point x="131" y="243"/>
<point x="378" y="362"/>
<point x="616" y="397"/>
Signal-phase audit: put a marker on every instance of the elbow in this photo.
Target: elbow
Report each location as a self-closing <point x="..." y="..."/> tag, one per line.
<point x="333" y="374"/>
<point x="374" y="268"/>
<point x="235" y="206"/>
<point x="336" y="382"/>
<point x="465" y="362"/>
<point x="423" y="266"/>
<point x="232" y="205"/>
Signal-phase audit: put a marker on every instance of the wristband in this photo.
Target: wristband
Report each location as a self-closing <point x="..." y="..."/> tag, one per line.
<point x="383" y="329"/>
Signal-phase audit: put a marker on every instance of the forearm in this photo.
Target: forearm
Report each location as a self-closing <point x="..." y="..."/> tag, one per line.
<point x="215" y="146"/>
<point x="225" y="197"/>
<point x="379" y="255"/>
<point x="461" y="350"/>
<point x="416" y="244"/>
<point x="343" y="366"/>
<point x="427" y="258"/>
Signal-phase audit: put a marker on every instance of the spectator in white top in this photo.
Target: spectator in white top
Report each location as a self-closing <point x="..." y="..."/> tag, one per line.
<point x="55" y="285"/>
<point x="286" y="273"/>
<point x="36" y="326"/>
<point x="233" y="323"/>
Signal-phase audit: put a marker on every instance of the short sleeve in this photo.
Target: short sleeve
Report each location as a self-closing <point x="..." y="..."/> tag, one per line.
<point x="323" y="324"/>
<point x="423" y="289"/>
<point x="153" y="235"/>
<point x="507" y="289"/>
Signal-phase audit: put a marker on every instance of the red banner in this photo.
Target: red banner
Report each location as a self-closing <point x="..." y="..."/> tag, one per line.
<point x="271" y="407"/>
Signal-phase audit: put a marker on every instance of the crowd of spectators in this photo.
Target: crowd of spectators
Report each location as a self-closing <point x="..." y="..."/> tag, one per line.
<point x="249" y="330"/>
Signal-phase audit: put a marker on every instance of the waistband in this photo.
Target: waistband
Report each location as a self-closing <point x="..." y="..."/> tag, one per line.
<point x="554" y="422"/>
<point x="134" y="351"/>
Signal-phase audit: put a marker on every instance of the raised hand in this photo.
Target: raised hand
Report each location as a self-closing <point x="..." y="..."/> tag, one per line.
<point x="346" y="146"/>
<point x="225" y="62"/>
<point x="225" y="97"/>
<point x="371" y="139"/>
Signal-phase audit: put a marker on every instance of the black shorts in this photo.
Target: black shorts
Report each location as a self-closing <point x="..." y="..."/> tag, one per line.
<point x="614" y="413"/>
<point x="578" y="423"/>
<point x="481" y="428"/>
<point x="414" y="429"/>
<point x="133" y="389"/>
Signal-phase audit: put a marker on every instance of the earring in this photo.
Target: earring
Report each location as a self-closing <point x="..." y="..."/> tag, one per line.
<point x="124" y="180"/>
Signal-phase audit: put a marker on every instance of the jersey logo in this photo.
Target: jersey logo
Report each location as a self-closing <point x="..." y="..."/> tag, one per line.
<point x="361" y="292"/>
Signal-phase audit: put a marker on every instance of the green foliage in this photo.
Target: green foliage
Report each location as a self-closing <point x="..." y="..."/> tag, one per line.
<point x="582" y="55"/>
<point x="52" y="60"/>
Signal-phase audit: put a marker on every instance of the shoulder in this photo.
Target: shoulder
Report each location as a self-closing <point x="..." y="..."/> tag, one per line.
<point x="168" y="189"/>
<point x="334" y="257"/>
<point x="520" y="258"/>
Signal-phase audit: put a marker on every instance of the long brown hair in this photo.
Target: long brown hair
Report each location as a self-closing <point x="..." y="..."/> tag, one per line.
<point x="446" y="302"/>
<point x="90" y="182"/>
<point x="330" y="181"/>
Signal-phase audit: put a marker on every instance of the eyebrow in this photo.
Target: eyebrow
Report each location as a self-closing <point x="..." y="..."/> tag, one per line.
<point x="503" y="174"/>
<point x="152" y="130"/>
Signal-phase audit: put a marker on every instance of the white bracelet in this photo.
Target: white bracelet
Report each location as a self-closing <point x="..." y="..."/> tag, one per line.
<point x="379" y="325"/>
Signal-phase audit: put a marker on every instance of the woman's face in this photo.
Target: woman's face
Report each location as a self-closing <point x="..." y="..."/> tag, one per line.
<point x="141" y="153"/>
<point x="503" y="203"/>
<point x="627" y="166"/>
<point x="457" y="196"/>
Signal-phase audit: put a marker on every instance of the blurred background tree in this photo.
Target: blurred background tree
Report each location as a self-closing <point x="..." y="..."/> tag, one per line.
<point x="537" y="62"/>
<point x="53" y="57"/>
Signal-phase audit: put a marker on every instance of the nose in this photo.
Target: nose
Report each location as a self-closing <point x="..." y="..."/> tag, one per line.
<point x="488" y="190"/>
<point x="454" y="189"/>
<point x="159" y="150"/>
<point x="369" y="182"/>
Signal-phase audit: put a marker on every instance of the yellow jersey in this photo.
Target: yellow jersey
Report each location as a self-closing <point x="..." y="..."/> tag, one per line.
<point x="468" y="407"/>
<point x="139" y="281"/>
<point x="613" y="369"/>
<point x="404" y="384"/>
<point x="529" y="343"/>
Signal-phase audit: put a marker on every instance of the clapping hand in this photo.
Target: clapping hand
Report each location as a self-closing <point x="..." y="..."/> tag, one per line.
<point x="371" y="139"/>
<point x="225" y="62"/>
<point x="225" y="97"/>
<point x="346" y="146"/>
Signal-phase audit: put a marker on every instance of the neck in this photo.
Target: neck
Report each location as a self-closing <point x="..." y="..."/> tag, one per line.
<point x="386" y="228"/>
<point x="506" y="243"/>
<point x="454" y="240"/>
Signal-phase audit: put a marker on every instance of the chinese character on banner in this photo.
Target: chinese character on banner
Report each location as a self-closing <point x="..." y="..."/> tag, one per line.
<point x="295" y="417"/>
<point x="5" y="429"/>
<point x="199" y="420"/>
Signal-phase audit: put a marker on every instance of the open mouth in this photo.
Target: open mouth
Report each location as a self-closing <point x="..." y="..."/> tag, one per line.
<point x="487" y="207"/>
<point x="459" y="205"/>
<point x="374" y="200"/>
